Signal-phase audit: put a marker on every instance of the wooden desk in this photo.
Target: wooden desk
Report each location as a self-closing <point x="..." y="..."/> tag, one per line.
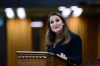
<point x="31" y="58"/>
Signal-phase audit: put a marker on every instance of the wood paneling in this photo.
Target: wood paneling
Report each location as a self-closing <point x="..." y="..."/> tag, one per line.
<point x="18" y="39"/>
<point x="42" y="36"/>
<point x="99" y="41"/>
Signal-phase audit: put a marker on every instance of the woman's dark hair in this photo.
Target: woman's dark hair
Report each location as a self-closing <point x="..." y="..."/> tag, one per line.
<point x="51" y="36"/>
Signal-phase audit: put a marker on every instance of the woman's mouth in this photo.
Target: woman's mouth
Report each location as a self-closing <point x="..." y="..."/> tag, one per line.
<point x="56" y="27"/>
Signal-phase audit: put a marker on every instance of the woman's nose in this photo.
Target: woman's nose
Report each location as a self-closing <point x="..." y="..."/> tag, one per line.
<point x="55" y="23"/>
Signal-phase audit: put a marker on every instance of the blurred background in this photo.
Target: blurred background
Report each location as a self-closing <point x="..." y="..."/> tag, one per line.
<point x="23" y="26"/>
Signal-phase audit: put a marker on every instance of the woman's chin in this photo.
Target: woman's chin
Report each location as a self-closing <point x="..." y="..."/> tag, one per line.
<point x="57" y="32"/>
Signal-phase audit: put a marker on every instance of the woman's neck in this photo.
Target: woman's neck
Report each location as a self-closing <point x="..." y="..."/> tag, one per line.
<point x="58" y="36"/>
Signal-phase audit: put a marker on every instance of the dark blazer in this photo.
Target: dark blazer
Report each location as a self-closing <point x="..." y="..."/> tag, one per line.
<point x="72" y="50"/>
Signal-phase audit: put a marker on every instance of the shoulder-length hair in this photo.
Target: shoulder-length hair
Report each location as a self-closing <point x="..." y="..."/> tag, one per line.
<point x="51" y="36"/>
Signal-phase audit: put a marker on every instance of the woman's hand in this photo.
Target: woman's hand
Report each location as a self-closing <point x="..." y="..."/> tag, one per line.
<point x="62" y="55"/>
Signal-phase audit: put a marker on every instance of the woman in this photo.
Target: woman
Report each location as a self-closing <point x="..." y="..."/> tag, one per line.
<point x="61" y="41"/>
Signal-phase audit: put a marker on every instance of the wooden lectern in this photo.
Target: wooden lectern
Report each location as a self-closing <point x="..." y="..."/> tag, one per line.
<point x="30" y="58"/>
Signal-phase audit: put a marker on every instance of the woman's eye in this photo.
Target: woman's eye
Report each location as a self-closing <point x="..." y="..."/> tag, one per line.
<point x="51" y="22"/>
<point x="57" y="20"/>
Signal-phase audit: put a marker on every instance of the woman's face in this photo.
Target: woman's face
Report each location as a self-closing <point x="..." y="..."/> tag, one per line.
<point x="56" y="24"/>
